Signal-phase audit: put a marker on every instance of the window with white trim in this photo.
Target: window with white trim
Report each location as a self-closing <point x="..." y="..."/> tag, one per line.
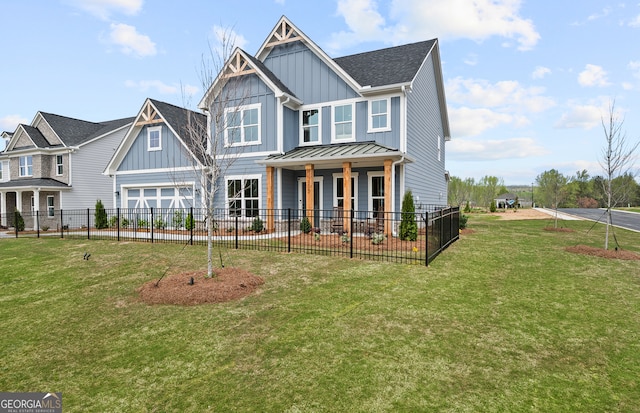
<point x="154" y="138"/>
<point x="310" y="124"/>
<point x="242" y="125"/>
<point x="243" y="196"/>
<point x="379" y="115"/>
<point x="376" y="192"/>
<point x="26" y="165"/>
<point x="1" y="171"/>
<point x="59" y="165"/>
<point x="338" y="190"/>
<point x="50" y="206"/>
<point x="343" y="116"/>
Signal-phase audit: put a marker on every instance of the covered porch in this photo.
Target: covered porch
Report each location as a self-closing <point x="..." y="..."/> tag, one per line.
<point x="31" y="197"/>
<point x="315" y="161"/>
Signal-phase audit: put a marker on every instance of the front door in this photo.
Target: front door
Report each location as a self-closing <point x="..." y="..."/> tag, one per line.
<point x="317" y="198"/>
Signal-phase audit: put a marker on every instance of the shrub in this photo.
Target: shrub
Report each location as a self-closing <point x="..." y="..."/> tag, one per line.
<point x="45" y="228"/>
<point x="305" y="225"/>
<point x="344" y="238"/>
<point x="408" y="225"/>
<point x="463" y="221"/>
<point x="189" y="222"/>
<point x="467" y="208"/>
<point x="143" y="223"/>
<point x="100" y="215"/>
<point x="178" y="219"/>
<point x="159" y="223"/>
<point x="113" y="221"/>
<point x="124" y="223"/>
<point x="493" y="207"/>
<point x="19" y="221"/>
<point x="316" y="236"/>
<point x="257" y="225"/>
<point x="378" y="238"/>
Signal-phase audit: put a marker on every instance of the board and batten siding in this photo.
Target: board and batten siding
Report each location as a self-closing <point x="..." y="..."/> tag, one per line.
<point x="425" y="176"/>
<point x="88" y="182"/>
<point x="309" y="78"/>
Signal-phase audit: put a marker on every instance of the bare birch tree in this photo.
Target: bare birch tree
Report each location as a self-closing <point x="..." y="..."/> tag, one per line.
<point x="224" y="95"/>
<point x="617" y="159"/>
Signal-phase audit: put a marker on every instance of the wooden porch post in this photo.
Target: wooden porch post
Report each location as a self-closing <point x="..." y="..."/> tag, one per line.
<point x="309" y="195"/>
<point x="388" y="196"/>
<point x="270" y="191"/>
<point x="346" y="200"/>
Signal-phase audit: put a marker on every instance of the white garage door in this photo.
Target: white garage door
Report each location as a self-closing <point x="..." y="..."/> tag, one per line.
<point x="160" y="197"/>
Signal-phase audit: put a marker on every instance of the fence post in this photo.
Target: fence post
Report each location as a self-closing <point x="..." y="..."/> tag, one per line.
<point x="351" y="234"/>
<point x="236" y="231"/>
<point x="88" y="225"/>
<point x="426" y="239"/>
<point x="38" y="223"/>
<point x="288" y="229"/>
<point x="118" y="222"/>
<point x="151" y="223"/>
<point x="191" y="225"/>
<point x="61" y="225"/>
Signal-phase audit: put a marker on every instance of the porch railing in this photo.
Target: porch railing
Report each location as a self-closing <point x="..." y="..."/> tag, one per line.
<point x="360" y="234"/>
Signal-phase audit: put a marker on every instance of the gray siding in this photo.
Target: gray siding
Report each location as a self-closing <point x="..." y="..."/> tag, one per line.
<point x="425" y="177"/>
<point x="172" y="154"/>
<point x="295" y="64"/>
<point x="87" y="165"/>
<point x="291" y="129"/>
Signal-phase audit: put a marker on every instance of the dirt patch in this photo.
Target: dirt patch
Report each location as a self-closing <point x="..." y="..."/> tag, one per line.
<point x="552" y="229"/>
<point x="511" y="214"/>
<point x="467" y="231"/>
<point x="228" y="284"/>
<point x="601" y="252"/>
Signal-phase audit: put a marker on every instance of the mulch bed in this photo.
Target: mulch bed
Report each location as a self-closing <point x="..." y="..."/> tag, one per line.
<point x="229" y="284"/>
<point x="601" y="252"/>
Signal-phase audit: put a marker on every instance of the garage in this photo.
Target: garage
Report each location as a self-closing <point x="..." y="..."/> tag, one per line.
<point x="159" y="197"/>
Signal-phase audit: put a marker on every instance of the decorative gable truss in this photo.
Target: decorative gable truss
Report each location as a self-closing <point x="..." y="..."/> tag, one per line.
<point x="282" y="33"/>
<point x="148" y="115"/>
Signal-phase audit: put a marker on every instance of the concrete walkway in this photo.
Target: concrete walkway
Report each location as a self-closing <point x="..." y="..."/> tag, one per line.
<point x="562" y="216"/>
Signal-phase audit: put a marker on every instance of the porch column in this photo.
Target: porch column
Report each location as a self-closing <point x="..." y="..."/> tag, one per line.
<point x="36" y="207"/>
<point x="3" y="209"/>
<point x="309" y="195"/>
<point x="346" y="200"/>
<point x="19" y="201"/>
<point x="270" y="210"/>
<point x="388" y="196"/>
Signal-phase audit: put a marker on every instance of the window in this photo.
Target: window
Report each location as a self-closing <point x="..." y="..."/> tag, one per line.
<point x="439" y="149"/>
<point x="376" y="192"/>
<point x="26" y="165"/>
<point x="379" y="115"/>
<point x="242" y="125"/>
<point x="154" y="138"/>
<point x="1" y="176"/>
<point x="50" y="206"/>
<point x="243" y="196"/>
<point x="59" y="167"/>
<point x="343" y="123"/>
<point x="338" y="190"/>
<point x="310" y="126"/>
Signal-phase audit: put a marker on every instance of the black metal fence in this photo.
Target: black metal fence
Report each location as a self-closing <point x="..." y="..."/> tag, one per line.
<point x="415" y="238"/>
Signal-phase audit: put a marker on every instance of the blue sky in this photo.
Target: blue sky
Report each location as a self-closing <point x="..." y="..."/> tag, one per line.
<point x="527" y="82"/>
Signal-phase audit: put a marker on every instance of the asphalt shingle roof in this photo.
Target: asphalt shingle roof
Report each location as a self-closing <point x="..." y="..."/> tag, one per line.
<point x="386" y="66"/>
<point x="36" y="136"/>
<point x="74" y="132"/>
<point x="33" y="182"/>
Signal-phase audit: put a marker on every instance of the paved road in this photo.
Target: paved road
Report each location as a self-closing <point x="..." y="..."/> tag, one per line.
<point x="628" y="220"/>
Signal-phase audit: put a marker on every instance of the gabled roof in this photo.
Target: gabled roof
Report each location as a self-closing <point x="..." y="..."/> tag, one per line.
<point x="36" y="136"/>
<point x="391" y="66"/>
<point x="179" y="120"/>
<point x="75" y="132"/>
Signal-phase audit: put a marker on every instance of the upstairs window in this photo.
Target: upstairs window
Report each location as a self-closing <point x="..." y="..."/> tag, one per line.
<point x="1" y="172"/>
<point x="59" y="165"/>
<point x="242" y="126"/>
<point x="243" y="196"/>
<point x="343" y="123"/>
<point x="154" y="138"/>
<point x="26" y="165"/>
<point x="379" y="115"/>
<point x="310" y="126"/>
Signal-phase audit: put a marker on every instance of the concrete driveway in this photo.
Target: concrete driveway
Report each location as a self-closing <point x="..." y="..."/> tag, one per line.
<point x="622" y="219"/>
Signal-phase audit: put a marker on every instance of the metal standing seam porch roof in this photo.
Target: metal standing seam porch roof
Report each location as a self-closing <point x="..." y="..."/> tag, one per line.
<point x="361" y="154"/>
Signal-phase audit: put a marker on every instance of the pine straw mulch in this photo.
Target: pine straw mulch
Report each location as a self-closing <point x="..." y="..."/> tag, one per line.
<point x="229" y="284"/>
<point x="602" y="253"/>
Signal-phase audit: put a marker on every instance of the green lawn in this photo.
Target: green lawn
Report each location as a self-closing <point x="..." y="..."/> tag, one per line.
<point x="504" y="320"/>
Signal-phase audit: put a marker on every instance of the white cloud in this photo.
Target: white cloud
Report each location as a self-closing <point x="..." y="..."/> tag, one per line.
<point x="413" y="20"/>
<point x="509" y="95"/>
<point x="161" y="87"/>
<point x="540" y="72"/>
<point x="593" y="75"/>
<point x="467" y="150"/>
<point x="104" y="8"/>
<point x="9" y="123"/>
<point x="635" y="22"/>
<point x="130" y="41"/>
<point x="581" y="116"/>
<point x="471" y="122"/>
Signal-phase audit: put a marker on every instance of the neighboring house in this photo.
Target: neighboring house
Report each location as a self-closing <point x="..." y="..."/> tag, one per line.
<point x="508" y="200"/>
<point x="315" y="133"/>
<point x="154" y="167"/>
<point x="56" y="163"/>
